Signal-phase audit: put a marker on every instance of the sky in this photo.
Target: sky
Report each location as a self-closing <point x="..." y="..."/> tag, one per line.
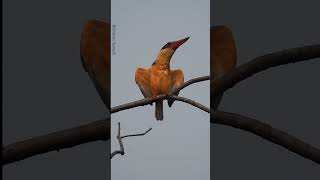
<point x="177" y="147"/>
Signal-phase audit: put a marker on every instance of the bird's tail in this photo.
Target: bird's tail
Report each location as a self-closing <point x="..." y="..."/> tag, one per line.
<point x="159" y="110"/>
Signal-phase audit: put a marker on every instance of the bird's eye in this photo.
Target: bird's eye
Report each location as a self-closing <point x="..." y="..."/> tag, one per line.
<point x="165" y="46"/>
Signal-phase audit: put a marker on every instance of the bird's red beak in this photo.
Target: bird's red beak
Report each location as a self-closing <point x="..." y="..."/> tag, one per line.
<point x="174" y="45"/>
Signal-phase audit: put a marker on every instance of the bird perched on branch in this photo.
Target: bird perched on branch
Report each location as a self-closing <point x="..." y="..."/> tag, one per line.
<point x="159" y="78"/>
<point x="222" y="57"/>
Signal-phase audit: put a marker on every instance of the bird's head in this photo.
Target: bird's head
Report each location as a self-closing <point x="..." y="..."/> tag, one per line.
<point x="168" y="50"/>
<point x="174" y="44"/>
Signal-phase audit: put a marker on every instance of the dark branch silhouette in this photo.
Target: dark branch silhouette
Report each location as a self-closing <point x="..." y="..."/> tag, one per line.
<point x="119" y="137"/>
<point x="262" y="63"/>
<point x="267" y="132"/>
<point x="100" y="130"/>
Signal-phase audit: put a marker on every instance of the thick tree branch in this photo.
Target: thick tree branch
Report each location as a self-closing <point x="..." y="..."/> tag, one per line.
<point x="98" y="130"/>
<point x="262" y="63"/>
<point x="119" y="137"/>
<point x="267" y="132"/>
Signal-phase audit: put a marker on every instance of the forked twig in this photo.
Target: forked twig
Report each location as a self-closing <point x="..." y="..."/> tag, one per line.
<point x="119" y="137"/>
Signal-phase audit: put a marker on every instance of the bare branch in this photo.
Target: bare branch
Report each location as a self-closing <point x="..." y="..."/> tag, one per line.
<point x="191" y="102"/>
<point x="146" y="101"/>
<point x="141" y="102"/>
<point x="119" y="137"/>
<point x="98" y="130"/>
<point x="121" y="151"/>
<point x="267" y="132"/>
<point x="262" y="63"/>
<point x="191" y="81"/>
<point x="141" y="134"/>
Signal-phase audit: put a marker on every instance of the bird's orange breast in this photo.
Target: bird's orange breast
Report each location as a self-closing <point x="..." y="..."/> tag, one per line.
<point x="160" y="81"/>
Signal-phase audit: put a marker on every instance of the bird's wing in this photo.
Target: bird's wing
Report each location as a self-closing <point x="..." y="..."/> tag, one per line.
<point x="222" y="50"/>
<point x="142" y="78"/>
<point x="177" y="80"/>
<point x="95" y="56"/>
<point x="222" y="56"/>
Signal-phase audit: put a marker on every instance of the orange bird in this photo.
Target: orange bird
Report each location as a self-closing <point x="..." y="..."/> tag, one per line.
<point x="95" y="56"/>
<point x="159" y="78"/>
<point x="222" y="56"/>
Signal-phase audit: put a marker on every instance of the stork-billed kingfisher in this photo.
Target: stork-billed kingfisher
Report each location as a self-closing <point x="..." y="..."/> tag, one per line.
<point x="159" y="78"/>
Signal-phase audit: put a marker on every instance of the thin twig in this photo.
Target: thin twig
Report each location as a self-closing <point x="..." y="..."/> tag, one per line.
<point x="119" y="137"/>
<point x="121" y="151"/>
<point x="141" y="134"/>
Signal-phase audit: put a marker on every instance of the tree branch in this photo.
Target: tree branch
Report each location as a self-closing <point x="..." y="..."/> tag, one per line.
<point x="121" y="151"/>
<point x="191" y="102"/>
<point x="262" y="63"/>
<point x="98" y="130"/>
<point x="141" y="134"/>
<point x="119" y="137"/>
<point x="191" y="81"/>
<point x="267" y="132"/>
<point x="141" y="102"/>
